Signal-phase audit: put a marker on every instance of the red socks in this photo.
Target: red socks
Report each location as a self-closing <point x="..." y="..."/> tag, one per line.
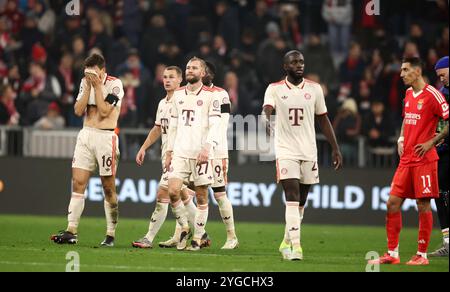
<point x="393" y="228"/>
<point x="425" y="228"/>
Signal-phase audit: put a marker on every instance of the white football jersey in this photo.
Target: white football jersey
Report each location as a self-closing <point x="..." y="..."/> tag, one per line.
<point x="296" y="108"/>
<point x="221" y="150"/>
<point x="193" y="115"/>
<point x="110" y="85"/>
<point x="163" y="116"/>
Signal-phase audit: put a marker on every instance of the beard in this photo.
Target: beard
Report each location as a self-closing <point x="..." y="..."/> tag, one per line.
<point x="192" y="79"/>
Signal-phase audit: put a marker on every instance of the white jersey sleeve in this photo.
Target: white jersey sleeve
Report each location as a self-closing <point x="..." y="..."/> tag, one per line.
<point x="269" y="99"/>
<point x="320" y="105"/>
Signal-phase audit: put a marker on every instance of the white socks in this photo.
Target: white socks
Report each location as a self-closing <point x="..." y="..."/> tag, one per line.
<point x="292" y="217"/>
<point x="226" y="212"/>
<point x="191" y="209"/>
<point x="76" y="207"/>
<point x="301" y="211"/>
<point x="201" y="217"/>
<point x="112" y="214"/>
<point x="158" y="217"/>
<point x="179" y="211"/>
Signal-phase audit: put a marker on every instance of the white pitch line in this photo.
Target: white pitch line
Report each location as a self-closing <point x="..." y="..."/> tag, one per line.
<point x="121" y="267"/>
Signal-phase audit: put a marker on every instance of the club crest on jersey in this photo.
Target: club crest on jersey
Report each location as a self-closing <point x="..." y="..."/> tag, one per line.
<point x="199" y="102"/>
<point x="307" y="96"/>
<point x="116" y="90"/>
<point x="420" y="104"/>
<point x="284" y="171"/>
<point x="216" y="104"/>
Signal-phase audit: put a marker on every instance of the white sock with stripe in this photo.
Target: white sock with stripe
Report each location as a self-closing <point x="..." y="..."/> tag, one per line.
<point x="179" y="211"/>
<point x="76" y="207"/>
<point x="158" y="217"/>
<point x="292" y="216"/>
<point x="201" y="217"/>
<point x="191" y="209"/>
<point x="226" y="212"/>
<point x="112" y="215"/>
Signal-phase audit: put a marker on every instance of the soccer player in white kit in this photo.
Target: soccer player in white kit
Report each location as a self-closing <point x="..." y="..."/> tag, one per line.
<point x="100" y="98"/>
<point x="220" y="162"/>
<point x="220" y="166"/>
<point x="172" y="78"/>
<point x="193" y="133"/>
<point x="297" y="102"/>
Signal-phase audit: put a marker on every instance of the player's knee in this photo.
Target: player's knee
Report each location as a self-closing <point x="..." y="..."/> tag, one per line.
<point x="78" y="185"/>
<point x="423" y="206"/>
<point x="392" y="206"/>
<point x="174" y="192"/>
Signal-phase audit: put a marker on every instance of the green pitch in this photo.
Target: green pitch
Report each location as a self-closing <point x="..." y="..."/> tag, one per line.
<point x="25" y="246"/>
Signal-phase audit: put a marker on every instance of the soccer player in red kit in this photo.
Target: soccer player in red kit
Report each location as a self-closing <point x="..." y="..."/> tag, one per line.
<point x="416" y="176"/>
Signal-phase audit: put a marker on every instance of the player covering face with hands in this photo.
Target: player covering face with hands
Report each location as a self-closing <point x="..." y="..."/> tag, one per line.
<point x="99" y="100"/>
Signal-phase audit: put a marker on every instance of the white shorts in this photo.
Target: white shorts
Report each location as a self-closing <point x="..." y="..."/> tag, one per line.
<point x="220" y="170"/>
<point x="183" y="168"/>
<point x="97" y="148"/>
<point x="305" y="171"/>
<point x="164" y="181"/>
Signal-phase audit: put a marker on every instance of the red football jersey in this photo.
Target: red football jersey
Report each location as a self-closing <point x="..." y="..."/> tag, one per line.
<point x="421" y="113"/>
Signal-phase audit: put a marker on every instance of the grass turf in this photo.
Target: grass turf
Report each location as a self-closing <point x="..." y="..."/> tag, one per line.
<point x="25" y="246"/>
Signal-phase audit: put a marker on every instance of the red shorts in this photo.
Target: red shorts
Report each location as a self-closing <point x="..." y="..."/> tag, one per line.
<point x="416" y="182"/>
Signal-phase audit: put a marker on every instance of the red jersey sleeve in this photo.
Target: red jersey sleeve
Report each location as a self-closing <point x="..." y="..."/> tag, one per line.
<point x="440" y="104"/>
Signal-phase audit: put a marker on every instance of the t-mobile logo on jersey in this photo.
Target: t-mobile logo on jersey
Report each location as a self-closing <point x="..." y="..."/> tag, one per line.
<point x="296" y="115"/>
<point x="188" y="116"/>
<point x="164" y="125"/>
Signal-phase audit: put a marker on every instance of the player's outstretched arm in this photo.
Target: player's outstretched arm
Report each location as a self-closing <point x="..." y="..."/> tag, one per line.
<point x="327" y="130"/>
<point x="152" y="137"/>
<point x="83" y="97"/>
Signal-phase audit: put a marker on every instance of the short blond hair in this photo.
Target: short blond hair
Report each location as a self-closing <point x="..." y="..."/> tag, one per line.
<point x="202" y="62"/>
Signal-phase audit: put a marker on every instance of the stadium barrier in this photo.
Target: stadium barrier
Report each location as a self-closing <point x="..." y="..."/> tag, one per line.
<point x="39" y="186"/>
<point x="30" y="142"/>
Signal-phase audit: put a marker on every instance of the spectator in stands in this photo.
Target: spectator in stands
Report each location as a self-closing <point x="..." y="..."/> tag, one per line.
<point x="352" y="69"/>
<point x="38" y="91"/>
<point x="290" y="23"/>
<point x="46" y="18"/>
<point x="98" y="37"/>
<point x="227" y="26"/>
<point x="270" y="55"/>
<point x="378" y="126"/>
<point x="65" y="78"/>
<point x="8" y="112"/>
<point x="347" y="126"/>
<point x="52" y="119"/>
<point x="339" y="16"/>
<point x="249" y="86"/>
<point x="30" y="34"/>
<point x="155" y="35"/>
<point x="319" y="60"/>
<point x="14" y="15"/>
<point x="137" y="86"/>
<point x="258" y="19"/>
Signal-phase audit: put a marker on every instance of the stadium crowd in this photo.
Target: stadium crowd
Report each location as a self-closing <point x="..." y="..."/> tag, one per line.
<point x="356" y="57"/>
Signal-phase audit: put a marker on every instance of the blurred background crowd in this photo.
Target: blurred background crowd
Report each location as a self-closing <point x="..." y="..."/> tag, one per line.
<point x="356" y="57"/>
